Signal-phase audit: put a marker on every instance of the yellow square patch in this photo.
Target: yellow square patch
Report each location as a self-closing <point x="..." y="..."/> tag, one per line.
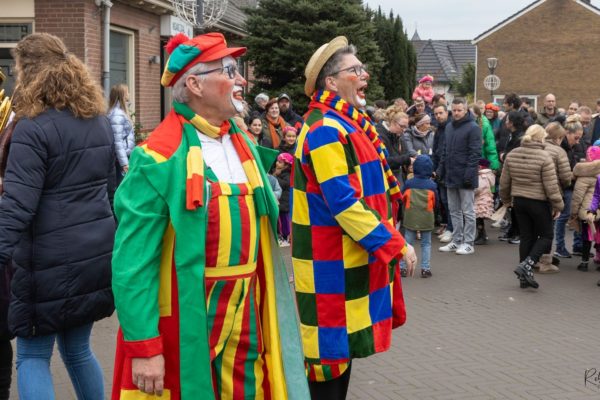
<point x="329" y="161"/>
<point x="300" y="210"/>
<point x="304" y="277"/>
<point x="357" y="314"/>
<point x="354" y="254"/>
<point x="310" y="340"/>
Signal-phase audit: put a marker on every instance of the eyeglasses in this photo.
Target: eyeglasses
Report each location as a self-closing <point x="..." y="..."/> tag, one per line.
<point x="230" y="69"/>
<point x="357" y="69"/>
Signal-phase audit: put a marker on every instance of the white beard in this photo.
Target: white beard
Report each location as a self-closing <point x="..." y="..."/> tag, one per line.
<point x="361" y="101"/>
<point x="237" y="104"/>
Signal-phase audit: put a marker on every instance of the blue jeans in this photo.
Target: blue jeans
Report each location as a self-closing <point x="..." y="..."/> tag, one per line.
<point x="410" y="237"/>
<point x="561" y="221"/>
<point x="33" y="365"/>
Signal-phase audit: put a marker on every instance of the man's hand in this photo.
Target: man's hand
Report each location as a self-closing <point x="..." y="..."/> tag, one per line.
<point x="148" y="374"/>
<point x="555" y="214"/>
<point x="410" y="258"/>
<point x="126" y="168"/>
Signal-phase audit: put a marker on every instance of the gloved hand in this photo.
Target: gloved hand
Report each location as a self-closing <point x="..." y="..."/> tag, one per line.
<point x="467" y="184"/>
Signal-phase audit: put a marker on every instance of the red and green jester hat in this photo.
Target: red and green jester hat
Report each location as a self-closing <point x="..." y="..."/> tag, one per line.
<point x="159" y="256"/>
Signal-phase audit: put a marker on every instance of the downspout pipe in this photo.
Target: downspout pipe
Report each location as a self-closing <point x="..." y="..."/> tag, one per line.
<point x="106" y="5"/>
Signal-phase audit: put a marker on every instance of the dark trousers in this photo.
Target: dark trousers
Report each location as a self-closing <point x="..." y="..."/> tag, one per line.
<point x="514" y="229"/>
<point x="335" y="389"/>
<point x="6" y="356"/>
<point x="535" y="223"/>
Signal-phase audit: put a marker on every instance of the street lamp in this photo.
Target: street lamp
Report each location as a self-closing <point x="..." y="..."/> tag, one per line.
<point x="492" y="64"/>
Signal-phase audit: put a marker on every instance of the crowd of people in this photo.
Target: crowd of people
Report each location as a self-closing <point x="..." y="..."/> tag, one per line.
<point x="538" y="170"/>
<point x="187" y="249"/>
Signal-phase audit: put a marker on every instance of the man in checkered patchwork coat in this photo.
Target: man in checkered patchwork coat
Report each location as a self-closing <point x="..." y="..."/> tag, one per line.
<point x="345" y="249"/>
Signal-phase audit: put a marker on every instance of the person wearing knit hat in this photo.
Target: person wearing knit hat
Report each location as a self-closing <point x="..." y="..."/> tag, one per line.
<point x="345" y="245"/>
<point x="188" y="300"/>
<point x="424" y="89"/>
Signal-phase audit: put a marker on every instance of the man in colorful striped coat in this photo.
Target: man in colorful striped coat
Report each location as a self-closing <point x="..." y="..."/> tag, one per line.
<point x="345" y="248"/>
<point x="201" y="291"/>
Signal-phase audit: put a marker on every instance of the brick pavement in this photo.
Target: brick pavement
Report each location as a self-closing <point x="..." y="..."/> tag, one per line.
<point x="471" y="333"/>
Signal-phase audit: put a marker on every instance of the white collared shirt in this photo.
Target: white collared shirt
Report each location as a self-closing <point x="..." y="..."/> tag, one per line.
<point x="222" y="158"/>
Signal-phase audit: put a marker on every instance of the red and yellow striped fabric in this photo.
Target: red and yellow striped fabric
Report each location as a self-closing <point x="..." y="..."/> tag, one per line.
<point x="232" y="294"/>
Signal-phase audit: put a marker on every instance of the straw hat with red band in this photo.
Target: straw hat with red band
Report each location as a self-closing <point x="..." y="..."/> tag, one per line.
<point x="185" y="53"/>
<point x="317" y="62"/>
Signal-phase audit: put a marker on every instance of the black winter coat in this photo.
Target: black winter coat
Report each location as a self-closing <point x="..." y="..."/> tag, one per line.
<point x="439" y="142"/>
<point x="56" y="222"/>
<point x="396" y="158"/>
<point x="459" y="164"/>
<point x="284" y="181"/>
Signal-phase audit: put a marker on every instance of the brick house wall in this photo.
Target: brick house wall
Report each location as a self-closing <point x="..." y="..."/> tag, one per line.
<point x="552" y="48"/>
<point x="79" y="25"/>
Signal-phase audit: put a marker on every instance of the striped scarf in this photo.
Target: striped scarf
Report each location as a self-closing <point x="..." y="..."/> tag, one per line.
<point x="195" y="161"/>
<point x="335" y="102"/>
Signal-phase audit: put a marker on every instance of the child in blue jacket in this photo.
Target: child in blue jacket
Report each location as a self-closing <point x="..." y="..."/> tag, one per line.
<point x="420" y="199"/>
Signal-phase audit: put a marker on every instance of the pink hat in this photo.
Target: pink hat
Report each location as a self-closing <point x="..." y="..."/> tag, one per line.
<point x="286" y="158"/>
<point x="426" y="78"/>
<point x="593" y="153"/>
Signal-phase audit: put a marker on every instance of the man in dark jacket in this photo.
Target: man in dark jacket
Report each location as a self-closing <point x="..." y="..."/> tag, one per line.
<point x="390" y="133"/>
<point x="458" y="169"/>
<point x="288" y="114"/>
<point x="441" y="115"/>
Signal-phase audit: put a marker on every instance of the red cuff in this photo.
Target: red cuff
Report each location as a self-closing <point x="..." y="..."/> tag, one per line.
<point x="391" y="249"/>
<point x="143" y="348"/>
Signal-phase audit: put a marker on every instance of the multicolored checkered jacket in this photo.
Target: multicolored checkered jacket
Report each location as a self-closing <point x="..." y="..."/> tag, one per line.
<point x="345" y="249"/>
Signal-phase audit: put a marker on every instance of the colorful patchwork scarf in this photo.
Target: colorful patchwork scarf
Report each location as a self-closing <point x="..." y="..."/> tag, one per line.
<point x="335" y="102"/>
<point x="195" y="161"/>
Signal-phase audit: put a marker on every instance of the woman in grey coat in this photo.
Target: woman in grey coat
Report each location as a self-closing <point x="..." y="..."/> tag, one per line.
<point x="419" y="139"/>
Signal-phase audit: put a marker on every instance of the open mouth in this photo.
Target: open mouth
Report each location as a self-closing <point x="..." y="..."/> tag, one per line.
<point x="361" y="93"/>
<point x="238" y="95"/>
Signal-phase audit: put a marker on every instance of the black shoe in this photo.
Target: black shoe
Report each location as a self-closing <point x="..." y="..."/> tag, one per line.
<point x="525" y="272"/>
<point x="523" y="283"/>
<point x="403" y="273"/>
<point x="425" y="273"/>
<point x="583" y="267"/>
<point x="514" y="240"/>
<point x="556" y="261"/>
<point x="504" y="237"/>
<point x="598" y="283"/>
<point x="481" y="240"/>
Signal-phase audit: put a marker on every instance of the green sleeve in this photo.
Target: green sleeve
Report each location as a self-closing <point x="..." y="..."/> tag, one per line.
<point x="488" y="149"/>
<point x="143" y="217"/>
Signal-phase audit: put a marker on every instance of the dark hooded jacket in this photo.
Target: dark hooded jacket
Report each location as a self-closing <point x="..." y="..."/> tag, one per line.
<point x="56" y="222"/>
<point x="459" y="164"/>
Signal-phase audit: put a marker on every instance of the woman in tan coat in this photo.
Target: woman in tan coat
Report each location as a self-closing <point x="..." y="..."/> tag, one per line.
<point x="556" y="133"/>
<point x="530" y="184"/>
<point x="586" y="174"/>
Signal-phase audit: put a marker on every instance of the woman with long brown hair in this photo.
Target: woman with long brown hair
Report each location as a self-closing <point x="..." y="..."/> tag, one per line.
<point x="122" y="127"/>
<point x="273" y="123"/>
<point x="55" y="217"/>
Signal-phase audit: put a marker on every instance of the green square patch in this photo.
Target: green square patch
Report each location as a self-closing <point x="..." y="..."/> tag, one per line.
<point x="361" y="343"/>
<point x="357" y="282"/>
<point x="302" y="237"/>
<point x="307" y="308"/>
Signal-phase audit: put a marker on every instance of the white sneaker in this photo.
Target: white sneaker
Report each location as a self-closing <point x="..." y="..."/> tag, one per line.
<point x="465" y="249"/>
<point x="500" y="224"/>
<point x="284" y="243"/>
<point x="450" y="247"/>
<point x="446" y="237"/>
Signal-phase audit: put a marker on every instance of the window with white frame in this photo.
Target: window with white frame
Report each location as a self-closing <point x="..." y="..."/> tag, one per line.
<point x="533" y="99"/>
<point x="122" y="60"/>
<point x="10" y="33"/>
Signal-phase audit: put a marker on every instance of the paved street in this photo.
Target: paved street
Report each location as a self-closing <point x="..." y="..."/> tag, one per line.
<point x="471" y="333"/>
